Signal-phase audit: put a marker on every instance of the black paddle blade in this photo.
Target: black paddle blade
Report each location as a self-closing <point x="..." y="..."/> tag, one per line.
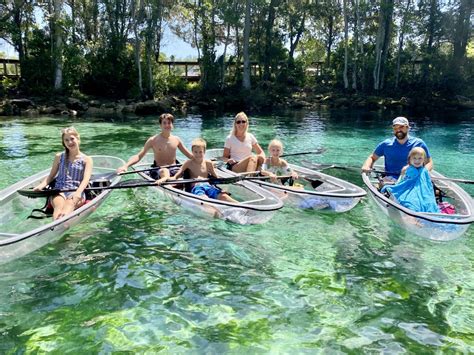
<point x="35" y="194"/>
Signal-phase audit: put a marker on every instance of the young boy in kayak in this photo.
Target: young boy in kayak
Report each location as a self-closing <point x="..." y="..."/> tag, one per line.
<point x="414" y="189"/>
<point x="164" y="146"/>
<point x="200" y="168"/>
<point x="72" y="170"/>
<point x="274" y="166"/>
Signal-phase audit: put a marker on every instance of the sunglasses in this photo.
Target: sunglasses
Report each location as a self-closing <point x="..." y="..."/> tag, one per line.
<point x="239" y="122"/>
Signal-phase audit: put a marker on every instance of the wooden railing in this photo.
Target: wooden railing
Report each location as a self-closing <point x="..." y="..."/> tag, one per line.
<point x="190" y="71"/>
<point x="9" y="68"/>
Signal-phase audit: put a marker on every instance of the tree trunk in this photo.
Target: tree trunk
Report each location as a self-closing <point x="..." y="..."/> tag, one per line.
<point x="294" y="44"/>
<point x="73" y="21"/>
<point x="462" y="31"/>
<point x="400" y="43"/>
<point x="17" y="33"/>
<point x="329" y="42"/>
<point x="268" y="39"/>
<point x="223" y="66"/>
<point x="137" y="18"/>
<point x="382" y="42"/>
<point x="196" y="25"/>
<point x="246" y="74"/>
<point x="346" y="44"/>
<point x="355" y="60"/>
<point x="429" y="45"/>
<point x="57" y="42"/>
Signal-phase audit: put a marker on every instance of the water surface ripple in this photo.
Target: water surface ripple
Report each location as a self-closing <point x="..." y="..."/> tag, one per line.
<point x="142" y="275"/>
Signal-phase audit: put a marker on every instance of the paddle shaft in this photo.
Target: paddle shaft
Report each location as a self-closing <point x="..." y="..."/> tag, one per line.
<point x="139" y="183"/>
<point x="152" y="169"/>
<point x="149" y="169"/>
<point x="225" y="180"/>
<point x="354" y="168"/>
<point x="317" y="151"/>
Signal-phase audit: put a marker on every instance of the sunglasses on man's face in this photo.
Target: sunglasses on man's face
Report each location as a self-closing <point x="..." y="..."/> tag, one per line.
<point x="240" y="122"/>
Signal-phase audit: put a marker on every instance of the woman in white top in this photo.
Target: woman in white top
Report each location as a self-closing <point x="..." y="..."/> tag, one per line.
<point x="239" y="145"/>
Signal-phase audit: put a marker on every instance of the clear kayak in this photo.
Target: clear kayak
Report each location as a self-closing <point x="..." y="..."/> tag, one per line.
<point x="312" y="190"/>
<point x="255" y="206"/>
<point x="20" y="235"/>
<point x="433" y="226"/>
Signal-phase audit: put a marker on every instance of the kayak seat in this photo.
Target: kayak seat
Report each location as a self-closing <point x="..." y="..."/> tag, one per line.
<point x="439" y="194"/>
<point x="314" y="183"/>
<point x="288" y="181"/>
<point x="96" y="181"/>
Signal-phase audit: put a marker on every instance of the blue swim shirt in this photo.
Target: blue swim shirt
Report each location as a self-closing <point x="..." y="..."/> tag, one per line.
<point x="396" y="154"/>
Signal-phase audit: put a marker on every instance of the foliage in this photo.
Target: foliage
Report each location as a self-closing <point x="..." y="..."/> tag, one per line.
<point x="36" y="69"/>
<point x="111" y="47"/>
<point x="110" y="74"/>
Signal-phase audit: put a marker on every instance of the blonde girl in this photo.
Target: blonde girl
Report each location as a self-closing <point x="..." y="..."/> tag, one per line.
<point x="72" y="170"/>
<point x="274" y="166"/>
<point x="416" y="158"/>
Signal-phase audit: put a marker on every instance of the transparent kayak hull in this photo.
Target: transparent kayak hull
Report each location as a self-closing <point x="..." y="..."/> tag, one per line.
<point x="256" y="205"/>
<point x="331" y="194"/>
<point x="433" y="226"/>
<point x="20" y="236"/>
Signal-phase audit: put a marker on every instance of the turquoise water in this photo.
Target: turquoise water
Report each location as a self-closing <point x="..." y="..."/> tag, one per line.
<point x="142" y="275"/>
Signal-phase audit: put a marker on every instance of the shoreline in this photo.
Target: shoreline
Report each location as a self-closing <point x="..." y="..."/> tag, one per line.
<point x="253" y="102"/>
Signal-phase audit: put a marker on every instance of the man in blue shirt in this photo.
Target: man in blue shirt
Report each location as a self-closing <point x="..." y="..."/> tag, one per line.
<point x="396" y="149"/>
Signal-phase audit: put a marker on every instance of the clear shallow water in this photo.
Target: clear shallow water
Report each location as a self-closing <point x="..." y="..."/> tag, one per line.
<point x="142" y="275"/>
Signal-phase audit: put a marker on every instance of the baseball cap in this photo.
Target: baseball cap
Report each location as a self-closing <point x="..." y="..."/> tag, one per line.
<point x="402" y="121"/>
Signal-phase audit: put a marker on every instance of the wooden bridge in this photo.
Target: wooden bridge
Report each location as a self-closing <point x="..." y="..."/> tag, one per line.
<point x="188" y="70"/>
<point x="9" y="68"/>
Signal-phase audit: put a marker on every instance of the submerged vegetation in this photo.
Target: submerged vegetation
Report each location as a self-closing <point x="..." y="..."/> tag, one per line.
<point x="269" y="49"/>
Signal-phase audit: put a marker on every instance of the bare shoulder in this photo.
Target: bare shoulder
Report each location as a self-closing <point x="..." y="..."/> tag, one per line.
<point x="186" y="164"/>
<point x="175" y="138"/>
<point x="283" y="162"/>
<point x="88" y="159"/>
<point x="152" y="138"/>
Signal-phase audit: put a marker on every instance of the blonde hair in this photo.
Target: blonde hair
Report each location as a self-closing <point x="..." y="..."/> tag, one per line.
<point x="72" y="131"/>
<point x="275" y="143"/>
<point x="241" y="115"/>
<point x="198" y="142"/>
<point x="415" y="151"/>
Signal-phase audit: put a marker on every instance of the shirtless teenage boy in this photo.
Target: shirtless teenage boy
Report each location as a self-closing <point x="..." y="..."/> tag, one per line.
<point x="164" y="147"/>
<point x="199" y="167"/>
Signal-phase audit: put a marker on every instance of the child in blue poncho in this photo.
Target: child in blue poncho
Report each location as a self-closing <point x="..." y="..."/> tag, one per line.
<point x="414" y="189"/>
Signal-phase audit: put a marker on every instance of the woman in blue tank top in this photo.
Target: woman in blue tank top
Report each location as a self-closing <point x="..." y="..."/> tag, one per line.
<point x="72" y="170"/>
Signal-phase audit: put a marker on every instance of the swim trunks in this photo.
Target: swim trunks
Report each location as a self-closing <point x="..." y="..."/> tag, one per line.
<point x="206" y="189"/>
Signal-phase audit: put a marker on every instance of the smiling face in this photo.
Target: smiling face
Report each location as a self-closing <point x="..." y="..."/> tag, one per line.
<point x="400" y="131"/>
<point x="275" y="150"/>
<point x="241" y="124"/>
<point x="198" y="152"/>
<point x="166" y="125"/>
<point x="417" y="160"/>
<point x="70" y="138"/>
<point x="70" y="141"/>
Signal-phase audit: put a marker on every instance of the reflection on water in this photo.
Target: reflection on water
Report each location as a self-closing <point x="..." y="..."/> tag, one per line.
<point x="13" y="141"/>
<point x="144" y="275"/>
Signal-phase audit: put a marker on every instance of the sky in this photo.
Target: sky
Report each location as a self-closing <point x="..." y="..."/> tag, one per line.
<point x="170" y="45"/>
